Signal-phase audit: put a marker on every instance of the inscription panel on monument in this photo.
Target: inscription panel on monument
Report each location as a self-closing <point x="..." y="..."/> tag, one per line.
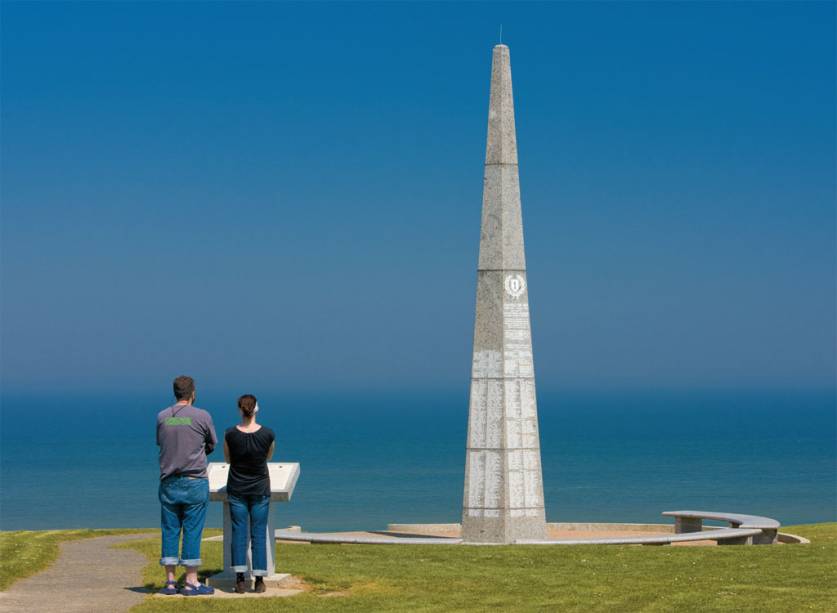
<point x="517" y="340"/>
<point x="486" y="414"/>
<point x="487" y="364"/>
<point x="484" y="490"/>
<point x="520" y="399"/>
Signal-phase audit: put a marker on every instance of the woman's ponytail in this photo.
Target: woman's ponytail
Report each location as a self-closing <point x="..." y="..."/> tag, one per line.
<point x="247" y="404"/>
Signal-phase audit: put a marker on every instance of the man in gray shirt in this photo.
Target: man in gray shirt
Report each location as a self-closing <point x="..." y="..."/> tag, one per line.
<point x="185" y="435"/>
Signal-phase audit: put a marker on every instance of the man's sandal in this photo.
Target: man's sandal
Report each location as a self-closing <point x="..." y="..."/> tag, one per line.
<point x="170" y="589"/>
<point x="197" y="590"/>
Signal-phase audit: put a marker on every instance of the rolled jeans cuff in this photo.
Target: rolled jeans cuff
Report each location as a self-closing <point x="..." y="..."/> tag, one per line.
<point x="239" y="569"/>
<point x="195" y="562"/>
<point x="259" y="573"/>
<point x="169" y="561"/>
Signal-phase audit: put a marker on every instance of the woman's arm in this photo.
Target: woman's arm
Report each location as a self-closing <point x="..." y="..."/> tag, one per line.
<point x="226" y="452"/>
<point x="271" y="450"/>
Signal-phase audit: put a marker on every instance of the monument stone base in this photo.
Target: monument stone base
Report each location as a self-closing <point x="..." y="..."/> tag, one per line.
<point x="502" y="529"/>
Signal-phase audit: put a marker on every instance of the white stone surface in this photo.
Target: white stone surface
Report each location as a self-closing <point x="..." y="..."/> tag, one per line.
<point x="283" y="477"/>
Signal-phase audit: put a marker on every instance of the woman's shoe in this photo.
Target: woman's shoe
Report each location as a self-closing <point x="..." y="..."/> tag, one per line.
<point x="260" y="586"/>
<point x="240" y="585"/>
<point x="170" y="589"/>
<point x="197" y="590"/>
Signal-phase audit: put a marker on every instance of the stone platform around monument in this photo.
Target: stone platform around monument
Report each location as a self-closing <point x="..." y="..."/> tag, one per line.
<point x="615" y="534"/>
<point x="450" y="534"/>
<point x="564" y="533"/>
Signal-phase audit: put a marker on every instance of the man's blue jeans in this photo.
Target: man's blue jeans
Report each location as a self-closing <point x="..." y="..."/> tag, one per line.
<point x="183" y="503"/>
<point x="254" y="509"/>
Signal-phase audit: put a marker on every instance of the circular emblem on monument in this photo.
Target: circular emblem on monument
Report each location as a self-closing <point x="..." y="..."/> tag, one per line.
<point x="515" y="286"/>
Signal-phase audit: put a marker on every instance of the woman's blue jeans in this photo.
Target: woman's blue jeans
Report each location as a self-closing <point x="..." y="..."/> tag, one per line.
<point x="253" y="510"/>
<point x="183" y="502"/>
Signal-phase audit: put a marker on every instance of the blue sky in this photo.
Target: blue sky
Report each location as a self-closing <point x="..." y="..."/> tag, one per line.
<point x="288" y="195"/>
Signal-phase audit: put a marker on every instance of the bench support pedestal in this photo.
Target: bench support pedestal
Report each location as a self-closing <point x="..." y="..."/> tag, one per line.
<point x="767" y="537"/>
<point x="687" y="524"/>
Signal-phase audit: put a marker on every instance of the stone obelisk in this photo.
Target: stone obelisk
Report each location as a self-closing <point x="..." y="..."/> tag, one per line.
<point x="503" y="498"/>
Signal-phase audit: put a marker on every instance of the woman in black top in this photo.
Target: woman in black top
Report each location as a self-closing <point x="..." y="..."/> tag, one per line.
<point x="247" y="448"/>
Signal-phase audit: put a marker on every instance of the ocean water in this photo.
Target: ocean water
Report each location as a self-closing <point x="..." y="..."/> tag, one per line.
<point x="90" y="461"/>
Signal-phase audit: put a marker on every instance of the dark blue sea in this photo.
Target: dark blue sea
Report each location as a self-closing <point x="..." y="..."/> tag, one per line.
<point x="368" y="459"/>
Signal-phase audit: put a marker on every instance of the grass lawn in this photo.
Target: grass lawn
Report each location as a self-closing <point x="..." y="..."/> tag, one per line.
<point x="25" y="552"/>
<point x="531" y="578"/>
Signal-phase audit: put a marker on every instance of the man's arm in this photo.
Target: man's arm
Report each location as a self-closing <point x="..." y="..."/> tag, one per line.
<point x="226" y="452"/>
<point x="211" y="439"/>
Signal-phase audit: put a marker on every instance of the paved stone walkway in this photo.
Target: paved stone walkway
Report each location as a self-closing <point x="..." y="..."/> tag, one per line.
<point x="87" y="576"/>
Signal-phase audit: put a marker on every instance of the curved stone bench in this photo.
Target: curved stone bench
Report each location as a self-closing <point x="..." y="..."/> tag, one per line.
<point x="724" y="536"/>
<point x="719" y="535"/>
<point x="688" y="527"/>
<point x="692" y="521"/>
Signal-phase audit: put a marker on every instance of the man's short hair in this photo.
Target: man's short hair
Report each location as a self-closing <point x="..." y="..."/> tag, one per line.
<point x="184" y="387"/>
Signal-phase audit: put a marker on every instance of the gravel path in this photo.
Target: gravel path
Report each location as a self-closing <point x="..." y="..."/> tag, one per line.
<point x="87" y="576"/>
